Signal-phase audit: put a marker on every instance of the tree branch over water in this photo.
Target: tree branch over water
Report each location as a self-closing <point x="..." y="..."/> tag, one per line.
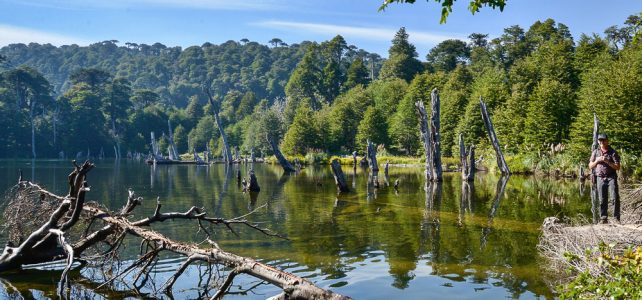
<point x="47" y="227"/>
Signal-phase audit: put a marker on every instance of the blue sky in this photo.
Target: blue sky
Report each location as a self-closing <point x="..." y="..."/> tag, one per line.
<point x="185" y="23"/>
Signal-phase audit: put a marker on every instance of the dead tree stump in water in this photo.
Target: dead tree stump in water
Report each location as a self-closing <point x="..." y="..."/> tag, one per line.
<point x="435" y="136"/>
<point x="501" y="162"/>
<point x="425" y="140"/>
<point x="467" y="160"/>
<point x="372" y="156"/>
<point x="339" y="178"/>
<point x="253" y="186"/>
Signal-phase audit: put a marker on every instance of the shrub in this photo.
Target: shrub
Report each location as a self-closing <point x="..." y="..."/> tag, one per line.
<point x="619" y="278"/>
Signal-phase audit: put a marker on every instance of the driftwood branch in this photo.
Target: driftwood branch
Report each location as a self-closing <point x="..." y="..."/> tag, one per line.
<point x="49" y="242"/>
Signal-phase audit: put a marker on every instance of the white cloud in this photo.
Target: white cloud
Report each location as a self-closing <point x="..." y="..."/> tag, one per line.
<point x="245" y="5"/>
<point x="369" y="33"/>
<point x="11" y="34"/>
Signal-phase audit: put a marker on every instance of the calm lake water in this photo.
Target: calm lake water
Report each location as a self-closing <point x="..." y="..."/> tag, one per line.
<point x="368" y="244"/>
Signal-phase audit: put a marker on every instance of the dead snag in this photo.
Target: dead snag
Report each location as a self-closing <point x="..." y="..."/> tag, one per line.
<point x="467" y="160"/>
<point x="279" y="156"/>
<point x="339" y="178"/>
<point x="501" y="162"/>
<point x="425" y="140"/>
<point x="215" y="109"/>
<point x="435" y="136"/>
<point x="253" y="186"/>
<point x="372" y="155"/>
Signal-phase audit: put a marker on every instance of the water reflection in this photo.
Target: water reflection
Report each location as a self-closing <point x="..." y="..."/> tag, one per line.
<point x="454" y="238"/>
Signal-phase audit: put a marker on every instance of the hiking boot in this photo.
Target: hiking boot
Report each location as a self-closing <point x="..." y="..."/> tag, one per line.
<point x="604" y="220"/>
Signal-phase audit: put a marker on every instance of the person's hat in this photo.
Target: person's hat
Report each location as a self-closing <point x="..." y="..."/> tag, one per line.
<point x="602" y="136"/>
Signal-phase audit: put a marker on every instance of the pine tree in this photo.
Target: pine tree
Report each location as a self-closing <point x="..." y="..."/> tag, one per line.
<point x="357" y="74"/>
<point x="402" y="59"/>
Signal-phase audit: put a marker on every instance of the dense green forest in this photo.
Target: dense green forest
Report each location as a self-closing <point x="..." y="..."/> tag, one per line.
<point x="541" y="87"/>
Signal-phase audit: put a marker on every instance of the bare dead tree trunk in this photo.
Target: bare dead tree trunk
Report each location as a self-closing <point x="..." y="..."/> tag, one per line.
<point x="52" y="241"/>
<point x="339" y="178"/>
<point x="279" y="156"/>
<point x="425" y="140"/>
<point x="155" y="151"/>
<point x="467" y="160"/>
<point x="435" y="136"/>
<point x="501" y="162"/>
<point x="372" y="156"/>
<point x="354" y="160"/>
<point x="226" y="146"/>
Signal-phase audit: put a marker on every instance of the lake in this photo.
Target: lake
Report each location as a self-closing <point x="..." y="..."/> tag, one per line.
<point x="369" y="244"/>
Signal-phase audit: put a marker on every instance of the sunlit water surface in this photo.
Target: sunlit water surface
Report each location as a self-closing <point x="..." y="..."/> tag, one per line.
<point x="369" y="244"/>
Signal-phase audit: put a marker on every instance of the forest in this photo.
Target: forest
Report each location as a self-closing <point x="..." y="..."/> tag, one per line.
<point x="542" y="88"/>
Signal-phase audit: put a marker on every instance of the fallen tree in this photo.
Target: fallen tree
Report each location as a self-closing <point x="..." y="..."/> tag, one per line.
<point x="45" y="227"/>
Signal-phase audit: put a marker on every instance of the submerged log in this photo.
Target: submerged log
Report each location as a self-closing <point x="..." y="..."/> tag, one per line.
<point x="339" y="178"/>
<point x="425" y="140"/>
<point x="501" y="162"/>
<point x="467" y="160"/>
<point x="279" y="156"/>
<point x="55" y="239"/>
<point x="435" y="136"/>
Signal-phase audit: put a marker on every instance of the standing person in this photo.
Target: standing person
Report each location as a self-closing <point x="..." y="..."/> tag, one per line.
<point x="606" y="162"/>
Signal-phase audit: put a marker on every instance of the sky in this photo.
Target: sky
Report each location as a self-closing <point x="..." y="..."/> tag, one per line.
<point x="194" y="22"/>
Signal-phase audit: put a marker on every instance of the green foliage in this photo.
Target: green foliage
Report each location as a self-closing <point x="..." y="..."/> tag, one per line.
<point x="447" y="6"/>
<point x="357" y="74"/>
<point x="612" y="90"/>
<point x="316" y="158"/>
<point x="372" y="127"/>
<point x="181" y="139"/>
<point x="619" y="279"/>
<point x="302" y="134"/>
<point x="402" y="62"/>
<point x="547" y="120"/>
<point x="447" y="55"/>
<point x="454" y="99"/>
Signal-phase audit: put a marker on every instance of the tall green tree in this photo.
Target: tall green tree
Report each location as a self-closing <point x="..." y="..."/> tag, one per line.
<point x="402" y="59"/>
<point x="32" y="93"/>
<point x="302" y="134"/>
<point x="447" y="55"/>
<point x="357" y="74"/>
<point x="549" y="114"/>
<point x="454" y="99"/>
<point x="613" y="91"/>
<point x="372" y="127"/>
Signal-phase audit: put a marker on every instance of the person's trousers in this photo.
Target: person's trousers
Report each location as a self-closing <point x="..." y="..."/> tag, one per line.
<point x="607" y="188"/>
